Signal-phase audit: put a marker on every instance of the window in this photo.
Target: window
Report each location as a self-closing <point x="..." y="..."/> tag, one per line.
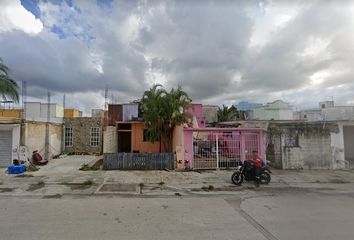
<point x="95" y="136"/>
<point x="68" y="137"/>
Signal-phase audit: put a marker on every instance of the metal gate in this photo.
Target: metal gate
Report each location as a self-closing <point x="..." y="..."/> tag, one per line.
<point x="5" y="148"/>
<point x="223" y="150"/>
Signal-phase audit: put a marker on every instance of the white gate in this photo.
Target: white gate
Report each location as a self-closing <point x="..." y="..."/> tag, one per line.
<point x="223" y="150"/>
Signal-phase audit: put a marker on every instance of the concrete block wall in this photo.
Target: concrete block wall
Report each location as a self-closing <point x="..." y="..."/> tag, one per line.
<point x="304" y="145"/>
<point x="110" y="140"/>
<point x="313" y="152"/>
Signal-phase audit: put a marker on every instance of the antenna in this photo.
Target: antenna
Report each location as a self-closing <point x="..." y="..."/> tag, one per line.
<point x="64" y="98"/>
<point x="106" y="98"/>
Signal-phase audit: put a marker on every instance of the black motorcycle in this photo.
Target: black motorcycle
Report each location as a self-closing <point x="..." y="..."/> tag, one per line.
<point x="246" y="172"/>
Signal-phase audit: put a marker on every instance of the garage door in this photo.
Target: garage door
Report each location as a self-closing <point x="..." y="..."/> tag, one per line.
<point x="5" y="148"/>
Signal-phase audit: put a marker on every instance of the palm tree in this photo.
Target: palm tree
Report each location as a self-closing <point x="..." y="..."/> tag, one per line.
<point x="8" y="87"/>
<point x="162" y="111"/>
<point x="227" y="113"/>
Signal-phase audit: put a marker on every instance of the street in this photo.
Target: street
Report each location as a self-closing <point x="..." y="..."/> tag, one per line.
<point x="61" y="202"/>
<point x="256" y="215"/>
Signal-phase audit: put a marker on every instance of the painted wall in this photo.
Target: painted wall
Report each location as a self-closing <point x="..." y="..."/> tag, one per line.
<point x="10" y="113"/>
<point x="196" y="110"/>
<point x="138" y="142"/>
<point x="72" y="113"/>
<point x="34" y="138"/>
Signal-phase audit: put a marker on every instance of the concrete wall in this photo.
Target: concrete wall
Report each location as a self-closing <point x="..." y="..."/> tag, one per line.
<point x="35" y="136"/>
<point x="110" y="140"/>
<point x="338" y="113"/>
<point x="36" y="111"/>
<point x="305" y="145"/>
<point x="210" y="113"/>
<point x="81" y="134"/>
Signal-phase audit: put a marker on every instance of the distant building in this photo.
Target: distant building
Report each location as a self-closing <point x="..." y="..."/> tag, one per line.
<point x="311" y="115"/>
<point x="326" y="104"/>
<point x="277" y="110"/>
<point x="36" y="111"/>
<point x="72" y="113"/>
<point x="247" y="106"/>
<point x="327" y="111"/>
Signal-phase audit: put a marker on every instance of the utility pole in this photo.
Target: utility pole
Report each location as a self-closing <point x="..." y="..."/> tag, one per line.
<point x="46" y="153"/>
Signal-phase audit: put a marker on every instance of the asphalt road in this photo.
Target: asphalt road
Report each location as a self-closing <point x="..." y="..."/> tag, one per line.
<point x="261" y="215"/>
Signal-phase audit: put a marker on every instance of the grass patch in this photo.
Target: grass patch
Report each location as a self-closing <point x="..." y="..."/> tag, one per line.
<point x="4" y="190"/>
<point x="336" y="180"/>
<point x="79" y="186"/>
<point x="86" y="167"/>
<point x="32" y="168"/>
<point x="36" y="186"/>
<point x="208" y="188"/>
<point x="24" y="175"/>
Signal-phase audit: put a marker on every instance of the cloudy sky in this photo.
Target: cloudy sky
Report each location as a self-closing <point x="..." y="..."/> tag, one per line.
<point x="220" y="52"/>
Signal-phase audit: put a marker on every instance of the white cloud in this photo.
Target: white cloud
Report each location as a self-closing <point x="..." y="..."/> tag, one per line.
<point x="14" y="16"/>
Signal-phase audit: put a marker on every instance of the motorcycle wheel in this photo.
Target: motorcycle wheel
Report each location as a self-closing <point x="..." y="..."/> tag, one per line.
<point x="265" y="178"/>
<point x="237" y="178"/>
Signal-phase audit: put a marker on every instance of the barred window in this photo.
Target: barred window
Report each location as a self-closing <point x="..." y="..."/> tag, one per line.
<point x="95" y="136"/>
<point x="68" y="137"/>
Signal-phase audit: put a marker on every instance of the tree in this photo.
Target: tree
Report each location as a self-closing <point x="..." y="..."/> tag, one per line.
<point x="227" y="113"/>
<point x="8" y="87"/>
<point x="162" y="111"/>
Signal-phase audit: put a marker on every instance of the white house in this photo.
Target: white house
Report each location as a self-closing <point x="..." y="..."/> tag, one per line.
<point x="277" y="110"/>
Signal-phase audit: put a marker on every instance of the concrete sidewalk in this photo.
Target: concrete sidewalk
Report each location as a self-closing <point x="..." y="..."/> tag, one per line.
<point x="63" y="177"/>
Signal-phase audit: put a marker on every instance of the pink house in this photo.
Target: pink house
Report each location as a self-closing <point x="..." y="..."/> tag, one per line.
<point x="196" y="110"/>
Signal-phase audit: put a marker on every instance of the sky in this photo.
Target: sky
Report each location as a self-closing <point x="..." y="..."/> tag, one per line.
<point x="219" y="51"/>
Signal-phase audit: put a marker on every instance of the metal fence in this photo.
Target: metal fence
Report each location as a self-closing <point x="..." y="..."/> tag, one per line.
<point x="137" y="161"/>
<point x="223" y="150"/>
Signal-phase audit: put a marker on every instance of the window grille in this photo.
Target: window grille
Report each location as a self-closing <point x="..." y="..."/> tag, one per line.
<point x="95" y="136"/>
<point x="68" y="137"/>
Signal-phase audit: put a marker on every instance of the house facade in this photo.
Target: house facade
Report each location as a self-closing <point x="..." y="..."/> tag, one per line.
<point x="83" y="135"/>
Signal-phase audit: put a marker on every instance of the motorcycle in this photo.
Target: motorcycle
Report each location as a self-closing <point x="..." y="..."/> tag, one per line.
<point x="246" y="172"/>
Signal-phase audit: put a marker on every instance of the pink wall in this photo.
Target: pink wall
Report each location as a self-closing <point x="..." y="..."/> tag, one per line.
<point x="196" y="110"/>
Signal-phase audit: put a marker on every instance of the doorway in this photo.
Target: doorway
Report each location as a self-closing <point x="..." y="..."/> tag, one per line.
<point x="124" y="141"/>
<point x="348" y="132"/>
